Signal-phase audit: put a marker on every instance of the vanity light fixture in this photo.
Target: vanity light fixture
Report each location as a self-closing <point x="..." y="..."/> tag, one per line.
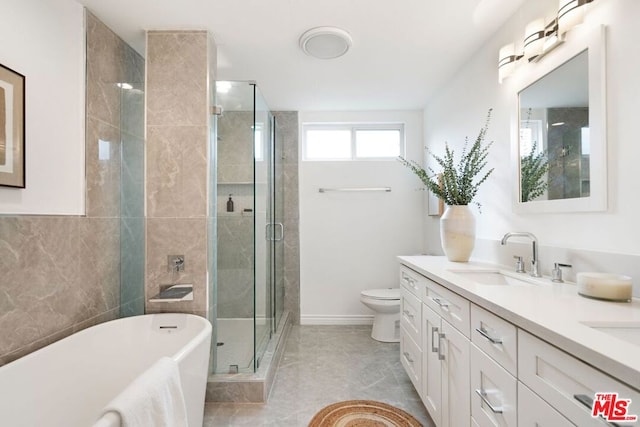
<point x="540" y="39"/>
<point x="551" y="40"/>
<point x="325" y="42"/>
<point x="534" y="37"/>
<point x="570" y="14"/>
<point x="507" y="59"/>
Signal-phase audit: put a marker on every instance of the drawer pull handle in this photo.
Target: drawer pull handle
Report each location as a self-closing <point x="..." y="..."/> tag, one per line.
<point x="409" y="281"/>
<point x="483" y="396"/>
<point x="440" y="302"/>
<point x="408" y="314"/>
<point x="434" y="349"/>
<point x="485" y="334"/>
<point x="440" y="355"/>
<point x="584" y="399"/>
<point x="408" y="357"/>
<point x="588" y="403"/>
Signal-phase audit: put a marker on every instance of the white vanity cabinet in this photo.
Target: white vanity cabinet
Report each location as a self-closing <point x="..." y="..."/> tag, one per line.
<point x="473" y="368"/>
<point x="494" y="392"/>
<point x="450" y="306"/>
<point x="535" y="412"/>
<point x="411" y="284"/>
<point x="565" y="382"/>
<point x="445" y="352"/>
<point x="498" y="398"/>
<point x="493" y="370"/>
<point x="496" y="337"/>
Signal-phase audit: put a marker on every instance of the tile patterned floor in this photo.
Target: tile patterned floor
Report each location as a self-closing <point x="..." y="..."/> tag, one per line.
<point x="322" y="365"/>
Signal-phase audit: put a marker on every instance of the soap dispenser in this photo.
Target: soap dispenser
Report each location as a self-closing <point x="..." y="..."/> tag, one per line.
<point x="230" y="204"/>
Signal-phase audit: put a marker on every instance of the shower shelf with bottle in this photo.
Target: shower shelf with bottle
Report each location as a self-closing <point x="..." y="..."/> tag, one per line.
<point x="244" y="213"/>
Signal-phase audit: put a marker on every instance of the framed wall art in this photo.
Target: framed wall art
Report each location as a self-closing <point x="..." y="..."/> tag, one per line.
<point x="12" y="118"/>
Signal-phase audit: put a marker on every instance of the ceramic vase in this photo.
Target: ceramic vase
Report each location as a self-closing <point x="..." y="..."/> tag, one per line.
<point x="458" y="232"/>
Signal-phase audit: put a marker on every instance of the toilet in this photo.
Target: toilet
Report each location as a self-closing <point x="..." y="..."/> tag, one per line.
<point x="386" y="305"/>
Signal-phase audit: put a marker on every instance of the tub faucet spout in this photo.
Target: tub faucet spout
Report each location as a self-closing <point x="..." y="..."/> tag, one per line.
<point x="535" y="271"/>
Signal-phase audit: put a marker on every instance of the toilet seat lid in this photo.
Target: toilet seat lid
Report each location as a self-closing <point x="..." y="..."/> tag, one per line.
<point x="391" y="293"/>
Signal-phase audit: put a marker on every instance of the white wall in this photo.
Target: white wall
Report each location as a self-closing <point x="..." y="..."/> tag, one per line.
<point x="460" y="106"/>
<point x="44" y="40"/>
<point x="349" y="241"/>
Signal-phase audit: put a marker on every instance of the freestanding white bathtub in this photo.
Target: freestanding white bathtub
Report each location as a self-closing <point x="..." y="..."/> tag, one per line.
<point x="68" y="383"/>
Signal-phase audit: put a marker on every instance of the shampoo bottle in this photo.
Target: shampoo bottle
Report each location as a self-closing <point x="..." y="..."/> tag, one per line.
<point x="230" y="204"/>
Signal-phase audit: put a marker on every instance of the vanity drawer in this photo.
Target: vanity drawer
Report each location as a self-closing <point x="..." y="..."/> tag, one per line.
<point x="559" y="378"/>
<point x="450" y="306"/>
<point x="493" y="392"/>
<point x="411" y="315"/>
<point x="411" y="281"/>
<point x="535" y="412"/>
<point x="496" y="337"/>
<point x="411" y="359"/>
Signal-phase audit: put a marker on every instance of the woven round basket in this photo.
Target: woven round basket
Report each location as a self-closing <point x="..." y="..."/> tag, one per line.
<point x="362" y="413"/>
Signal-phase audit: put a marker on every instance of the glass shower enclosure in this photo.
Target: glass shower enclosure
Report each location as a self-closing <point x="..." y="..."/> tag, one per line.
<point x="249" y="295"/>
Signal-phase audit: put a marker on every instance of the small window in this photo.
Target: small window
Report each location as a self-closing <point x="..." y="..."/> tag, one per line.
<point x="328" y="144"/>
<point x="322" y="142"/>
<point x="378" y="143"/>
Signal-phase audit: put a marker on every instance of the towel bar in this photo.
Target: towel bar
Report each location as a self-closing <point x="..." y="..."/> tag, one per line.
<point x="383" y="189"/>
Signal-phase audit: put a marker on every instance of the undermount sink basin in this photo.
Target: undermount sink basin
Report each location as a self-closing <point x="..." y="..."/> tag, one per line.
<point x="491" y="278"/>
<point x="626" y="331"/>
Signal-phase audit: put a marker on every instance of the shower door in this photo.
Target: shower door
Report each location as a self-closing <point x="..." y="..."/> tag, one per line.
<point x="263" y="232"/>
<point x="277" y="191"/>
<point x="237" y="211"/>
<point x="249" y="247"/>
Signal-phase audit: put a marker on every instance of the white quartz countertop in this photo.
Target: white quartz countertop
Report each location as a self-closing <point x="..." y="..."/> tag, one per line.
<point x="552" y="311"/>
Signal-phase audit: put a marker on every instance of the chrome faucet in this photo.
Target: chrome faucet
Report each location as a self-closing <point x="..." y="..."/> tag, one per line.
<point x="534" y="262"/>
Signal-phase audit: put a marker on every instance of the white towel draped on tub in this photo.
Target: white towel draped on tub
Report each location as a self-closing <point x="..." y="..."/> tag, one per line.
<point x="154" y="399"/>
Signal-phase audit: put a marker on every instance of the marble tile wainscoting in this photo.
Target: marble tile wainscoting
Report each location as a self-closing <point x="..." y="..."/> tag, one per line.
<point x="59" y="275"/>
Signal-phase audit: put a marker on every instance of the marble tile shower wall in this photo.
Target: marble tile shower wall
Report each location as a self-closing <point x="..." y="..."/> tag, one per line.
<point x="178" y="67"/>
<point x="61" y="274"/>
<point x="235" y="230"/>
<point x="235" y="148"/>
<point x="287" y="143"/>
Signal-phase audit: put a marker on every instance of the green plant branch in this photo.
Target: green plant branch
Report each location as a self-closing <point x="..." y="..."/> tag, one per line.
<point x="459" y="183"/>
<point x="533" y="170"/>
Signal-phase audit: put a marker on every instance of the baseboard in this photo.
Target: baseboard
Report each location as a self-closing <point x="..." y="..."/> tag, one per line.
<point x="311" y="319"/>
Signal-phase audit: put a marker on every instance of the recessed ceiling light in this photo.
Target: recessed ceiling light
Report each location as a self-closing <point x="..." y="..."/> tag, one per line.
<point x="325" y="42"/>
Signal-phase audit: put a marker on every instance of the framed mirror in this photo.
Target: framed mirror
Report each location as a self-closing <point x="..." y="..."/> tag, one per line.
<point x="559" y="149"/>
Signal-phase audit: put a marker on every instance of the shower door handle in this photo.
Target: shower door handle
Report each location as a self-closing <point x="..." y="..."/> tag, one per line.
<point x="281" y="226"/>
<point x="269" y="234"/>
